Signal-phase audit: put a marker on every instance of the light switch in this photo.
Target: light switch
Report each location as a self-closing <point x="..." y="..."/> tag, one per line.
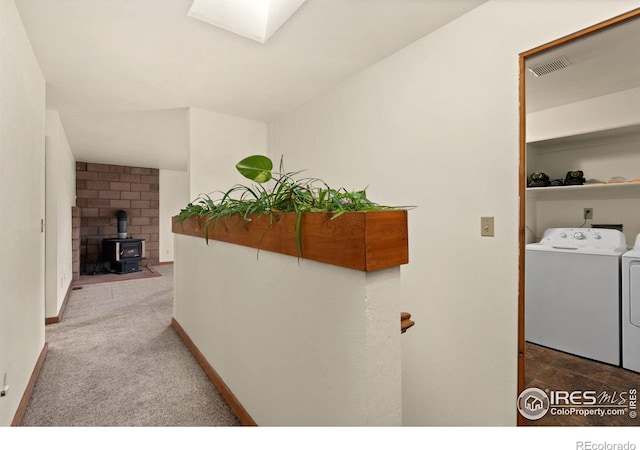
<point x="486" y="224"/>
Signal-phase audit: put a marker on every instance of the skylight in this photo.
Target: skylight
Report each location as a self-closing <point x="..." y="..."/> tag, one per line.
<point x="254" y="19"/>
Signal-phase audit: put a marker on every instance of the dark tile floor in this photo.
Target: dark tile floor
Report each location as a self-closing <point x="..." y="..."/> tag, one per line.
<point x="552" y="370"/>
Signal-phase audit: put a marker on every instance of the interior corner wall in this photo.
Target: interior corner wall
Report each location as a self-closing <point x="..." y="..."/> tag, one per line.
<point x="22" y="141"/>
<point x="60" y="198"/>
<point x="174" y="195"/>
<point x="435" y="125"/>
<point x="217" y="143"/>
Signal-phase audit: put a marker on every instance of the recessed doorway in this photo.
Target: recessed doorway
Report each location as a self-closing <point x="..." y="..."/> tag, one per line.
<point x="549" y="93"/>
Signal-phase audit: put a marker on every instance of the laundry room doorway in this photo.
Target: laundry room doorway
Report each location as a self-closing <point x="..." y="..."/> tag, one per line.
<point x="579" y="146"/>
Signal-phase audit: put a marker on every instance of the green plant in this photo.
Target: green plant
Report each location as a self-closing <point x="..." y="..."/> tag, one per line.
<point x="284" y="194"/>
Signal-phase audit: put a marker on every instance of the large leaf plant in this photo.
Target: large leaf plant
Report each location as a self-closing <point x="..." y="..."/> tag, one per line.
<point x="283" y="194"/>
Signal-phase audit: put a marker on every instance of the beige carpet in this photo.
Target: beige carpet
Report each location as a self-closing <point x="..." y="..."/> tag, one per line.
<point x="114" y="360"/>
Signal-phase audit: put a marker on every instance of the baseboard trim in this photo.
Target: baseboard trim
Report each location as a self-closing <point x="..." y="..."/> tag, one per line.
<point x="22" y="406"/>
<point x="58" y="318"/>
<point x="228" y="396"/>
<point x="165" y="263"/>
<point x="51" y="320"/>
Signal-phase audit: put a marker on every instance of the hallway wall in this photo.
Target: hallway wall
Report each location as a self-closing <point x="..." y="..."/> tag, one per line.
<point x="22" y="155"/>
<point x="60" y="198"/>
<point x="174" y="195"/>
<point x="298" y="342"/>
<point x="216" y="143"/>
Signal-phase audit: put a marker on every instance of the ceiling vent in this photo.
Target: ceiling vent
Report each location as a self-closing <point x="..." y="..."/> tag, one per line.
<point x="551" y="66"/>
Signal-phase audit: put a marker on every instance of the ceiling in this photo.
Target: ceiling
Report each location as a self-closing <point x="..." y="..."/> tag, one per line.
<point x="122" y="72"/>
<point x="599" y="64"/>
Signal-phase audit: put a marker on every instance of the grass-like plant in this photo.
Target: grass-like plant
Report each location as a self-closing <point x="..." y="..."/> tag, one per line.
<point x="276" y="193"/>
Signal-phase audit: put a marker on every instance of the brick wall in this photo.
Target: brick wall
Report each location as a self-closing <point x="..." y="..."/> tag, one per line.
<point x="75" y="242"/>
<point x="103" y="189"/>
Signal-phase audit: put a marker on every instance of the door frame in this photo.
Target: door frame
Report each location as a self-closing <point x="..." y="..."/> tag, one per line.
<point x="617" y="20"/>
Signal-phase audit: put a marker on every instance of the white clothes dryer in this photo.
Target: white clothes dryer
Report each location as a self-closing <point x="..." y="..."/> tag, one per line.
<point x="572" y="292"/>
<point x="631" y="308"/>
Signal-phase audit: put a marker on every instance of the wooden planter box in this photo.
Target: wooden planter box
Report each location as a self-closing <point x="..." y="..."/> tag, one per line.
<point x="365" y="241"/>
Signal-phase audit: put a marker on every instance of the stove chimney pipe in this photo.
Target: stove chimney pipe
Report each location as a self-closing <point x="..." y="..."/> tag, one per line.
<point x="122" y="224"/>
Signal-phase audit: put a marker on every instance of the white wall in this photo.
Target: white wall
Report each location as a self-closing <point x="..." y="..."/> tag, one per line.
<point x="436" y="125"/>
<point x="60" y="197"/>
<point x="22" y="140"/>
<point x="585" y="116"/>
<point x="174" y="195"/>
<point x="298" y="343"/>
<point x="568" y="213"/>
<point x="216" y="143"/>
<point x="154" y="138"/>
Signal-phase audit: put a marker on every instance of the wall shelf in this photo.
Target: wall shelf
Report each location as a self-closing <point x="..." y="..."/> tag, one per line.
<point x="604" y="191"/>
<point x="587" y="139"/>
<point x="600" y="154"/>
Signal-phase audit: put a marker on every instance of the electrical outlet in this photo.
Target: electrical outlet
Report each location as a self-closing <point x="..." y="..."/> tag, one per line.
<point x="588" y="213"/>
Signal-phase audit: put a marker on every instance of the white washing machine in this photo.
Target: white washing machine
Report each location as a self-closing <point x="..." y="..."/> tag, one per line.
<point x="631" y="308"/>
<point x="572" y="292"/>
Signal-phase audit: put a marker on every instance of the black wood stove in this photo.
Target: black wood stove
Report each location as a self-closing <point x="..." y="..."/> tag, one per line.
<point x="123" y="253"/>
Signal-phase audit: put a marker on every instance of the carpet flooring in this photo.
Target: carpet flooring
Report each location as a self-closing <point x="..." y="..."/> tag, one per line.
<point x="114" y="360"/>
